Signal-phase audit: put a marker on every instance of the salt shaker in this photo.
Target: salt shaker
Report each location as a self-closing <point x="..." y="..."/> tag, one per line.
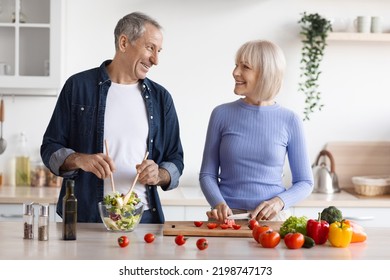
<point x="43" y="222"/>
<point x="28" y="220"/>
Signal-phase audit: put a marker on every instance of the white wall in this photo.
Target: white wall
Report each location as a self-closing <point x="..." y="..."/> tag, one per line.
<point x="200" y="41"/>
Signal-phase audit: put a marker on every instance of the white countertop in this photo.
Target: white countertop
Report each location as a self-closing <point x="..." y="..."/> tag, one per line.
<point x="94" y="242"/>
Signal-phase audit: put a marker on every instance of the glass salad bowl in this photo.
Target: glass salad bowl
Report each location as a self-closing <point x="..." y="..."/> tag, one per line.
<point x="119" y="217"/>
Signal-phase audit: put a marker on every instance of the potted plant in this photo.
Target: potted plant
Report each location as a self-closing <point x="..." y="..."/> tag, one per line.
<point x="314" y="31"/>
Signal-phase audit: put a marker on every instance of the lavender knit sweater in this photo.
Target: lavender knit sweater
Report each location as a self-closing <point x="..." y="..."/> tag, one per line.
<point x="244" y="155"/>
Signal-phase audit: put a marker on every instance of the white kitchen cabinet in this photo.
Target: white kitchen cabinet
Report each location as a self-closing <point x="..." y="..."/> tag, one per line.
<point x="174" y="213"/>
<point x="365" y="216"/>
<point x="185" y="213"/>
<point x="30" y="45"/>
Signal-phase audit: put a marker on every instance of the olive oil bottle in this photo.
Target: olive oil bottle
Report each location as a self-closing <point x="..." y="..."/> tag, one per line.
<point x="69" y="212"/>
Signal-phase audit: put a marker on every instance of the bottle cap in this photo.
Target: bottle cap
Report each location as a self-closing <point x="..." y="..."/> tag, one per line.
<point x="44" y="210"/>
<point x="28" y="208"/>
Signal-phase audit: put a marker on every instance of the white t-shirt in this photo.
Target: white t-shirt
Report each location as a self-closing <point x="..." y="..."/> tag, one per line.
<point x="126" y="131"/>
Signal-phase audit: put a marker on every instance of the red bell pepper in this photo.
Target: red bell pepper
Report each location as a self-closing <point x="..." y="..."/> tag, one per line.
<point x="318" y="230"/>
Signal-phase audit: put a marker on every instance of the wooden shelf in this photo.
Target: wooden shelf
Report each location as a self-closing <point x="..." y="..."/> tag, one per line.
<point x="364" y="37"/>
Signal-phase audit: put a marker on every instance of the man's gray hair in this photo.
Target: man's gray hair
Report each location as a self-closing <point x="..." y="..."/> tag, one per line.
<point x="133" y="26"/>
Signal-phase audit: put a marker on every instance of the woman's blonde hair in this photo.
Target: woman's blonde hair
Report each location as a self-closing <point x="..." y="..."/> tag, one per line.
<point x="269" y="60"/>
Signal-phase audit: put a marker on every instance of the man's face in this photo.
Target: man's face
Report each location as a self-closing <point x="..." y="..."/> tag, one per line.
<point x="142" y="54"/>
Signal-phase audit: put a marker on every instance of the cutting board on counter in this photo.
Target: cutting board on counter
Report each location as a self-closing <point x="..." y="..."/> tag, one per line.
<point x="187" y="228"/>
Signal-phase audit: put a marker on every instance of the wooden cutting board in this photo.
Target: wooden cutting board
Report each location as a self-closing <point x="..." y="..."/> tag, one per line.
<point x="187" y="228"/>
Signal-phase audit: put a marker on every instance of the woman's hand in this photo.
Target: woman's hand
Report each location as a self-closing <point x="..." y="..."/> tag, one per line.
<point x="268" y="209"/>
<point x="220" y="212"/>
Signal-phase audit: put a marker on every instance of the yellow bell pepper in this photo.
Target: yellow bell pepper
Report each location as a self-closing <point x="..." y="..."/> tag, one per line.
<point x="340" y="234"/>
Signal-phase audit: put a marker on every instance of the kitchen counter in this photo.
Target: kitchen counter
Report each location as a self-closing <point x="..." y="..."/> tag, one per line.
<point x="19" y="195"/>
<point x="94" y="242"/>
<point x="193" y="196"/>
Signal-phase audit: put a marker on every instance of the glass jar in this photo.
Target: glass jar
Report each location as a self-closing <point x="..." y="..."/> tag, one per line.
<point x="22" y="162"/>
<point x="38" y="174"/>
<point x="28" y="220"/>
<point x="43" y="222"/>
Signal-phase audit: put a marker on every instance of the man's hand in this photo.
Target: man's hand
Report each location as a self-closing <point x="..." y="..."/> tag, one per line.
<point x="150" y="174"/>
<point x="99" y="164"/>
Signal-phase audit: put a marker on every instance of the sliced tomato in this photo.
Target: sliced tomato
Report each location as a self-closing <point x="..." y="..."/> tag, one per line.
<point x="224" y="226"/>
<point x="236" y="226"/>
<point x="212" y="225"/>
<point x="198" y="223"/>
<point x="230" y="222"/>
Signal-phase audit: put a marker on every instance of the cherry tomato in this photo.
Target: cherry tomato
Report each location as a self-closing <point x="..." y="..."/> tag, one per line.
<point x="180" y="240"/>
<point x="294" y="240"/>
<point x="236" y="226"/>
<point x="224" y="226"/>
<point x="212" y="225"/>
<point x="259" y="229"/>
<point x="149" y="237"/>
<point x="202" y="243"/>
<point x="123" y="241"/>
<point x="269" y="239"/>
<point x="198" y="223"/>
<point x="252" y="223"/>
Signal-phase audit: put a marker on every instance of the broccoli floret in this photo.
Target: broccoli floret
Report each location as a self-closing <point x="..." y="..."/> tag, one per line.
<point x="331" y="214"/>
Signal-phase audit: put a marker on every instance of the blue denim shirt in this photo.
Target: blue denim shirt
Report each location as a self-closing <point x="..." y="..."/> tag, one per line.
<point x="77" y="125"/>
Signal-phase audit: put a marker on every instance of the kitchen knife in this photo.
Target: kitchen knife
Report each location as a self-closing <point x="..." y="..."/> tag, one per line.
<point x="242" y="216"/>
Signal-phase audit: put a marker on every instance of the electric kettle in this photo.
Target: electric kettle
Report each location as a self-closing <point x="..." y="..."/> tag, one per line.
<point x="325" y="178"/>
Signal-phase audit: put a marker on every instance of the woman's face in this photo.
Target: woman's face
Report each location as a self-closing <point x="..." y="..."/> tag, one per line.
<point x="245" y="80"/>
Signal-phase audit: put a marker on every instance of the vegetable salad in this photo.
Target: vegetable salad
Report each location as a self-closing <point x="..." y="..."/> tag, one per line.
<point x="120" y="216"/>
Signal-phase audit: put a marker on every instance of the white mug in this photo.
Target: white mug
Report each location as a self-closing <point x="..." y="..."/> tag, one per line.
<point x="363" y="24"/>
<point x="376" y="25"/>
<point x="5" y="69"/>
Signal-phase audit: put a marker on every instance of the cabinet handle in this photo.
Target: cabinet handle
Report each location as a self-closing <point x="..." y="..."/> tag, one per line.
<point x="364" y="218"/>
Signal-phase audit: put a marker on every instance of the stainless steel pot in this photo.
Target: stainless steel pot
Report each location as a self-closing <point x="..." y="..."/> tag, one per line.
<point x="325" y="178"/>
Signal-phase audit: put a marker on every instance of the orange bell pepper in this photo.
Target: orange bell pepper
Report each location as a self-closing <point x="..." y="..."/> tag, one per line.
<point x="340" y="234"/>
<point x="358" y="233"/>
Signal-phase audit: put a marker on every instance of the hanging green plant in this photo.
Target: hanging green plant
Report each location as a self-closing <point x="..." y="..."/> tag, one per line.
<point x="314" y="30"/>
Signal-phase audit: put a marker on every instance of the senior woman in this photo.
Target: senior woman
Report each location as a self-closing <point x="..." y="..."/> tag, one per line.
<point x="249" y="139"/>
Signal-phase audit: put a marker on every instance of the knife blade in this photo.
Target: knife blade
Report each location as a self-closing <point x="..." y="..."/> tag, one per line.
<point x="242" y="216"/>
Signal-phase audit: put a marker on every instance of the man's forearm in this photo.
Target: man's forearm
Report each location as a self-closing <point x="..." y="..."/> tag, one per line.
<point x="70" y="163"/>
<point x="164" y="179"/>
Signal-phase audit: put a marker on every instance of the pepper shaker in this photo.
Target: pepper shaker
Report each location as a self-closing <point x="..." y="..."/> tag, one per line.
<point x="43" y="222"/>
<point x="28" y="220"/>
